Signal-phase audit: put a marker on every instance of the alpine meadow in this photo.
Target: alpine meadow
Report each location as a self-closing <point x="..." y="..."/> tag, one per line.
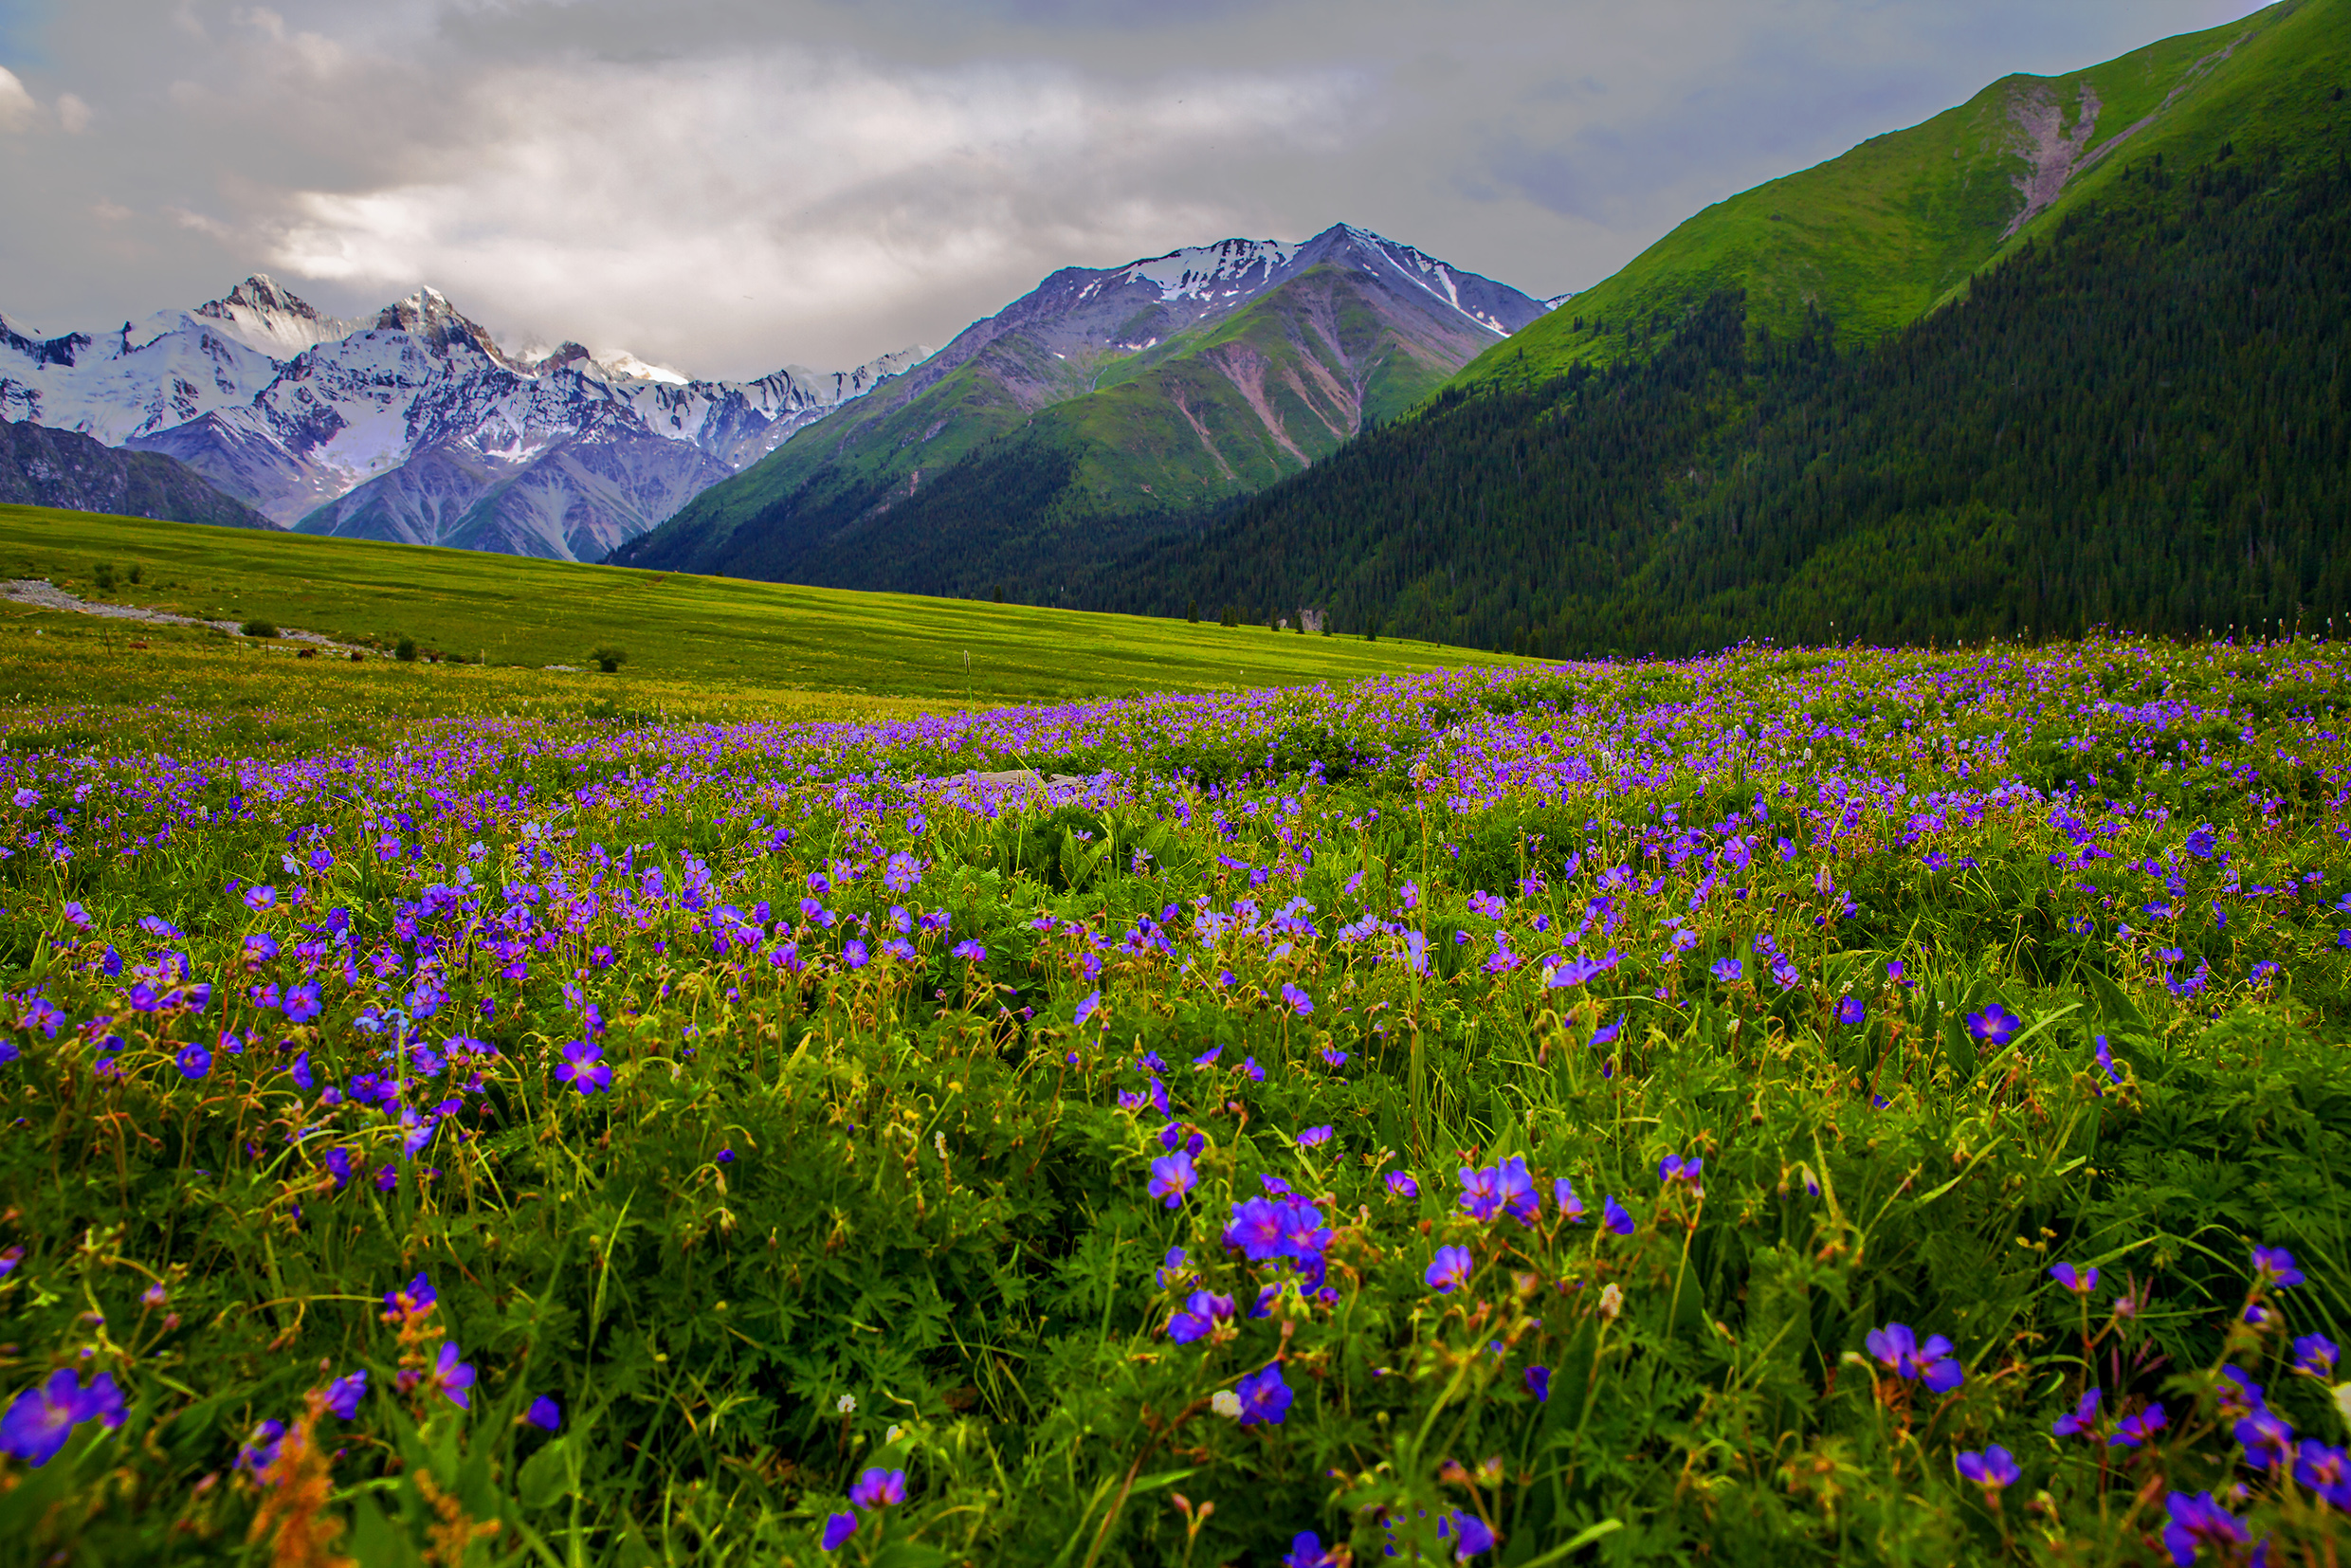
<point x="1288" y="907"/>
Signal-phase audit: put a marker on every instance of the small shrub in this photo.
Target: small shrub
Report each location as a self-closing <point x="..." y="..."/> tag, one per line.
<point x="103" y="575"/>
<point x="609" y="658"/>
<point x="136" y="571"/>
<point x="258" y="627"/>
<point x="405" y="650"/>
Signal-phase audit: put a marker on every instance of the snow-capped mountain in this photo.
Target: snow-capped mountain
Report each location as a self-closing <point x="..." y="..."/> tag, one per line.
<point x="1131" y="391"/>
<point x="313" y="421"/>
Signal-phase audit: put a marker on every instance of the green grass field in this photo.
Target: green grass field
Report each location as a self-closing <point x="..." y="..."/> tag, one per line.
<point x="1797" y="1107"/>
<point x="725" y="636"/>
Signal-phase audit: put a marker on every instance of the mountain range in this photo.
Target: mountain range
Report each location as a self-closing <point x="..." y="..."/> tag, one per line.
<point x="2071" y="355"/>
<point x="412" y="424"/>
<point x="1123" y="395"/>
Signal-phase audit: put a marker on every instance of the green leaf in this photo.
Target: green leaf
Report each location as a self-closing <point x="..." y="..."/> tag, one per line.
<point x="546" y="1478"/>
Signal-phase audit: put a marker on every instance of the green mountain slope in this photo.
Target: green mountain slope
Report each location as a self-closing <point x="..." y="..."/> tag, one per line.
<point x="40" y="466"/>
<point x="1879" y="236"/>
<point x="2140" y="419"/>
<point x="1281" y="385"/>
<point x="1150" y="395"/>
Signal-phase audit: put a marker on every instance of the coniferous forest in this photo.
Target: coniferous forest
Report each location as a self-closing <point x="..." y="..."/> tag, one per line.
<point x="2142" y="422"/>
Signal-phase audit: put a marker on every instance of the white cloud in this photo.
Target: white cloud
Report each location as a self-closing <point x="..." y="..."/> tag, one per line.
<point x="726" y="187"/>
<point x="676" y="205"/>
<point x="17" y="108"/>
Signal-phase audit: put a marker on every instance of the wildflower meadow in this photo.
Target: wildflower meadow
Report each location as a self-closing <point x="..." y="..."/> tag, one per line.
<point x="1836" y="1105"/>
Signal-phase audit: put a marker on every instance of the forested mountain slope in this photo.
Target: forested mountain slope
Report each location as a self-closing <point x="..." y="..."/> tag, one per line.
<point x="2142" y="418"/>
<point x="1877" y="237"/>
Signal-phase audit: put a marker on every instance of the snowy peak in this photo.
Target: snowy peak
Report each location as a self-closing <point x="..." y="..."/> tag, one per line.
<point x="1219" y="271"/>
<point x="271" y="319"/>
<point x="627" y="367"/>
<point x="427" y="316"/>
<point x="1498" y="308"/>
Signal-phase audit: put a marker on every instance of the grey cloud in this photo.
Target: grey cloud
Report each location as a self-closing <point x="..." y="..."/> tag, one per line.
<point x="731" y="185"/>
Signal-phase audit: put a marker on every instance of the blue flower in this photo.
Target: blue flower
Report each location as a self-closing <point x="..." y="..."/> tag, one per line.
<point x="1400" y="1185"/>
<point x="1470" y="1534"/>
<point x="2275" y="1266"/>
<point x="1992" y="1470"/>
<point x="1613" y="1215"/>
<point x="2267" y="1438"/>
<point x="344" y="1394"/>
<point x="1265" y="1397"/>
<point x="1450" y="1268"/>
<point x="40" y="1419"/>
<point x="1087" y="1009"/>
<point x="2080" y="1421"/>
<point x="1202" y="1312"/>
<point x="2197" y="1521"/>
<point x="1539" y="1383"/>
<point x="2138" y="1428"/>
<point x="545" y="1415"/>
<point x="2325" y="1471"/>
<point x="1899" y="1350"/>
<point x="1995" y="1026"/>
<point x="2314" y="1356"/>
<point x="1728" y="970"/>
<point x="879" y="1488"/>
<point x="2080" y="1281"/>
<point x="1172" y="1176"/>
<point x="1852" y="1012"/>
<point x="838" y="1528"/>
<point x="1307" y="1552"/>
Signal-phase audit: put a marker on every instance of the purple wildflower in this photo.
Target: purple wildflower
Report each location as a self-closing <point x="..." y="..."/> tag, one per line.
<point x="1172" y="1176"/>
<point x="1203" y="1311"/>
<point x="2196" y="1523"/>
<point x="2138" y="1428"/>
<point x="2081" y="1420"/>
<point x="2080" y="1281"/>
<point x="1265" y="1397"/>
<point x="1450" y="1269"/>
<point x="1995" y="1026"/>
<point x="1992" y="1468"/>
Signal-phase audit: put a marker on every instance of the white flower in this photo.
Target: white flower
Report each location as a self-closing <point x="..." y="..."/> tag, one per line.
<point x="1612" y="1300"/>
<point x="1225" y="1403"/>
<point x="2343" y="1402"/>
<point x="893" y="1434"/>
<point x="847" y="1404"/>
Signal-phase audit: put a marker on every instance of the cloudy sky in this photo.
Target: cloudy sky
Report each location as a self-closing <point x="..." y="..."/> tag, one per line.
<point x="726" y="186"/>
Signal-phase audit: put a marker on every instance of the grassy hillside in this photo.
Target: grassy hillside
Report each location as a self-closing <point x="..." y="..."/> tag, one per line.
<point x="1879" y="236"/>
<point x="705" y="630"/>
